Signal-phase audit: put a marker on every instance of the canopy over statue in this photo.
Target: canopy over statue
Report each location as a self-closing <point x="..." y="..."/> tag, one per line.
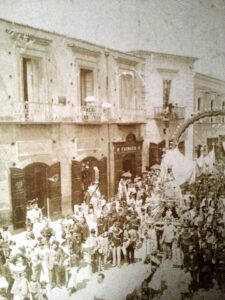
<point x="184" y="169"/>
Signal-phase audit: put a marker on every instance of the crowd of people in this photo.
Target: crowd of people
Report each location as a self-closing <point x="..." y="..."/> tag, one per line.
<point x="148" y="220"/>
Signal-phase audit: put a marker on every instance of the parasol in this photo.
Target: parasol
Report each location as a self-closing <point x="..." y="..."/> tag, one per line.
<point x="156" y="167"/>
<point x="90" y="99"/>
<point x="106" y="105"/>
<point x="126" y="174"/>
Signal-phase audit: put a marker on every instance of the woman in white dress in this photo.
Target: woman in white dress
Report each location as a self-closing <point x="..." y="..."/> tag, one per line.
<point x="20" y="288"/>
<point x="42" y="252"/>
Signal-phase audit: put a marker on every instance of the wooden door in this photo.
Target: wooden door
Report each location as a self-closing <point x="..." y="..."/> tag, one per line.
<point x="76" y="183"/>
<point x="54" y="191"/>
<point x="138" y="158"/>
<point x="153" y="154"/>
<point x="36" y="183"/>
<point x="18" y="198"/>
<point x="118" y="170"/>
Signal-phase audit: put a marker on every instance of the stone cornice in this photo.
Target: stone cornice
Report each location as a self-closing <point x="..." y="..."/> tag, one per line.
<point x="84" y="51"/>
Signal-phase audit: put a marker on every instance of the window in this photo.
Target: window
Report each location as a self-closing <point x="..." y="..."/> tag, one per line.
<point x="223" y="108"/>
<point x="126" y="91"/>
<point x="86" y="84"/>
<point x="211" y="107"/>
<point x="211" y="104"/>
<point x="199" y="104"/>
<point x="31" y="79"/>
<point x="166" y="92"/>
<point x="213" y="142"/>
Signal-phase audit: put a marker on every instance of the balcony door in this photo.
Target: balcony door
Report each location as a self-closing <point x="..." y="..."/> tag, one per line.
<point x="127" y="91"/>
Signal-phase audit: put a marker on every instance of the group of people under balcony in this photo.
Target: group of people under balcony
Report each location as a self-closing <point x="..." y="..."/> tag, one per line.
<point x="140" y="224"/>
<point x="170" y="112"/>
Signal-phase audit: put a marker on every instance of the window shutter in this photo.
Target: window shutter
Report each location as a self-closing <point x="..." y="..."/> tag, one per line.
<point x="118" y="170"/>
<point x="76" y="183"/>
<point x="54" y="188"/>
<point x="166" y="92"/>
<point x="18" y="198"/>
<point x="86" y="84"/>
<point x="126" y="91"/>
<point x="103" y="176"/>
<point x="89" y="83"/>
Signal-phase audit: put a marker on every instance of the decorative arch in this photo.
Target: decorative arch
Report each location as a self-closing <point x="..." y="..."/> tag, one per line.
<point x="47" y="161"/>
<point x="131" y="138"/>
<point x="194" y="119"/>
<point x="83" y="156"/>
<point x="82" y="177"/>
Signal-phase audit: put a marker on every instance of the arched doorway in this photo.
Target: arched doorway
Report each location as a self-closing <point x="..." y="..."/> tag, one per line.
<point x="88" y="174"/>
<point x="36" y="180"/>
<point x="83" y="175"/>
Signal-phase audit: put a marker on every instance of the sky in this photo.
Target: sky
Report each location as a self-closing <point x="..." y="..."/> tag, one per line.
<point x="185" y="27"/>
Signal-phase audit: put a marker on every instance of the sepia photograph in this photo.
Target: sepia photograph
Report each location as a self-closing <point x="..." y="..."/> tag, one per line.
<point x="112" y="149"/>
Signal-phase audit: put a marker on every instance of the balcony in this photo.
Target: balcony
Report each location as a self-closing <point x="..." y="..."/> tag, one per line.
<point x="127" y="116"/>
<point x="54" y="113"/>
<point x="174" y="114"/>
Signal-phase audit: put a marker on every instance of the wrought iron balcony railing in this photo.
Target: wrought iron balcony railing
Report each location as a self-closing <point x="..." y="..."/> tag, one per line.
<point x="122" y="115"/>
<point x="49" y="112"/>
<point x="173" y="114"/>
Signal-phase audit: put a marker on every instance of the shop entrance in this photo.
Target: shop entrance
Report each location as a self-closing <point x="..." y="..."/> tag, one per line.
<point x="127" y="157"/>
<point x="129" y="164"/>
<point x="38" y="182"/>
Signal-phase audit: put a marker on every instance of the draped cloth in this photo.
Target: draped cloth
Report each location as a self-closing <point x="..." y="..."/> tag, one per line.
<point x="183" y="168"/>
<point x="223" y="144"/>
<point x="205" y="163"/>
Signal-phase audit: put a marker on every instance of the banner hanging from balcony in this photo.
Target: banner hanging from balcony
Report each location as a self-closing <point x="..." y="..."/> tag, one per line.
<point x="183" y="169"/>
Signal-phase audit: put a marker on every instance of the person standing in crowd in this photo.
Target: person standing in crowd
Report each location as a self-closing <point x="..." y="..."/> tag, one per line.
<point x="132" y="240"/>
<point x="116" y="243"/>
<point x="138" y="218"/>
<point x="55" y="260"/>
<point x="92" y="241"/>
<point x="167" y="239"/>
<point x="21" y="287"/>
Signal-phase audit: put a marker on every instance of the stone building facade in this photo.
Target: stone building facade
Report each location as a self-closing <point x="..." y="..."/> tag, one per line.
<point x="72" y="110"/>
<point x="169" y="94"/>
<point x="67" y="106"/>
<point x="209" y="95"/>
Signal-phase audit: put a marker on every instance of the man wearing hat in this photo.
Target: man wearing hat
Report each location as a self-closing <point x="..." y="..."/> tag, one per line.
<point x="185" y="240"/>
<point x="55" y="260"/>
<point x="167" y="239"/>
